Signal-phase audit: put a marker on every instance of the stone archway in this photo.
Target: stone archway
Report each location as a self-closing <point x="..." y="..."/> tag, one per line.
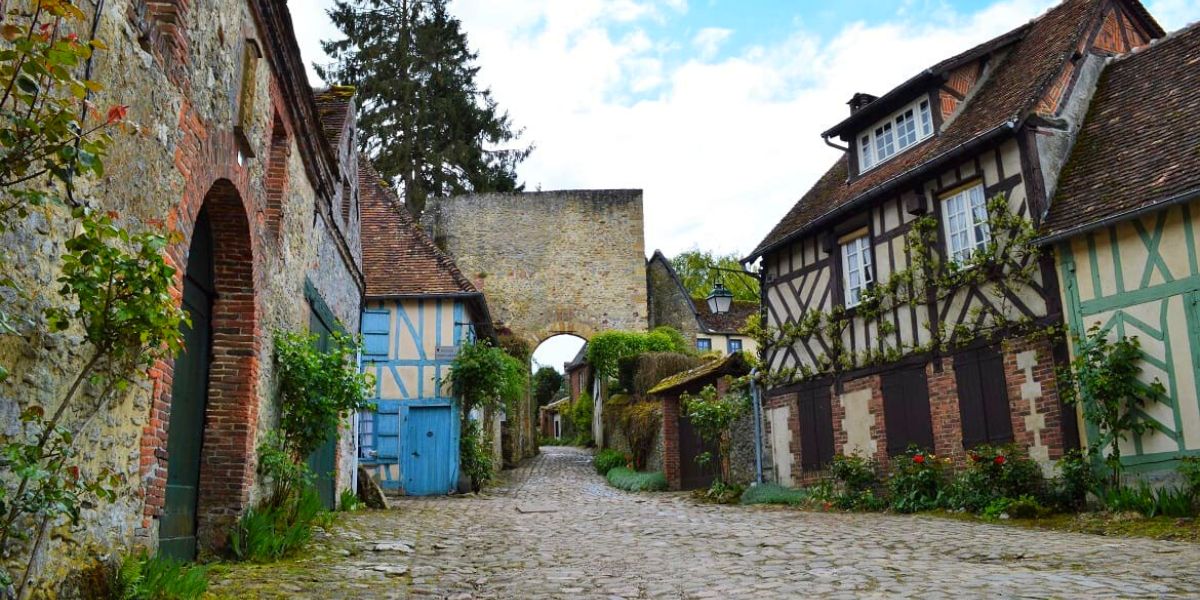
<point x="230" y="401"/>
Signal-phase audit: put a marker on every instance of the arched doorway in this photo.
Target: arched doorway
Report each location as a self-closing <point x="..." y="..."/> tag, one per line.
<point x="189" y="397"/>
<point x="213" y="410"/>
<point x="552" y="384"/>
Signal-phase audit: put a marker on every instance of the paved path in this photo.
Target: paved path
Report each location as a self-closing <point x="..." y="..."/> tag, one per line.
<point x="558" y="531"/>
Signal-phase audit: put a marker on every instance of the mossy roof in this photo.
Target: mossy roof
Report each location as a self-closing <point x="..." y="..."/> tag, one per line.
<point x="734" y="364"/>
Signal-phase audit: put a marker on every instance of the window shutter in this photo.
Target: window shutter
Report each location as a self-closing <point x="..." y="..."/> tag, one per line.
<point x="906" y="411"/>
<point x="995" y="397"/>
<point x="816" y="427"/>
<point x="982" y="397"/>
<point x="970" y="399"/>
<point x="809" y="460"/>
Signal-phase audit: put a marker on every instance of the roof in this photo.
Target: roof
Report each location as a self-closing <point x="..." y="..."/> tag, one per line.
<point x="734" y="364"/>
<point x="1038" y="52"/>
<point x="556" y="405"/>
<point x="580" y="359"/>
<point x="733" y="321"/>
<point x="398" y="258"/>
<point x="1139" y="146"/>
<point x="333" y="107"/>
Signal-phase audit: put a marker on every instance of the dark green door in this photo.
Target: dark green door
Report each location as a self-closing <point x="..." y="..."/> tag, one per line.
<point x="323" y="461"/>
<point x="189" y="394"/>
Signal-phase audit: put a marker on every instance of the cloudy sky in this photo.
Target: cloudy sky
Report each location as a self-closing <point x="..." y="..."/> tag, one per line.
<point x="713" y="107"/>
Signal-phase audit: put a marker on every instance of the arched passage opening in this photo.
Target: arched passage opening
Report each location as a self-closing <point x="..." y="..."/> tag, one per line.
<point x="558" y="379"/>
<point x="213" y="409"/>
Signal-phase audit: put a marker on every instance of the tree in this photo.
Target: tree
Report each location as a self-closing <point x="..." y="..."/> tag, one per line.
<point x="696" y="270"/>
<point x="423" y="119"/>
<point x="546" y="383"/>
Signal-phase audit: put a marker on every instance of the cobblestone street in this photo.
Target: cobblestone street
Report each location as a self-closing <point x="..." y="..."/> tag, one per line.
<point x="554" y="529"/>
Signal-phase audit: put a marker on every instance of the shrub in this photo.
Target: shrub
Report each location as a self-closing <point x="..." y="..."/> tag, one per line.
<point x="711" y="415"/>
<point x="916" y="482"/>
<point x="722" y="493"/>
<point x="144" y="577"/>
<point x="348" y="501"/>
<point x="1189" y="470"/>
<point x="1076" y="477"/>
<point x="580" y="414"/>
<point x="1024" y="507"/>
<point x="639" y="373"/>
<point x="1148" y="501"/>
<point x="853" y="473"/>
<point x="627" y="479"/>
<point x="475" y="454"/>
<point x="606" y="349"/>
<point x="267" y="533"/>
<point x="609" y="459"/>
<point x="993" y="473"/>
<point x="641" y="423"/>
<point x="771" y="493"/>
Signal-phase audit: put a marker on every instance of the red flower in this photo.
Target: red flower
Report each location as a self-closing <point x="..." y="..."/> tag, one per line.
<point x="999" y="460"/>
<point x="919" y="459"/>
<point x="73" y="471"/>
<point x="975" y="457"/>
<point x="117" y="113"/>
<point x="72" y="37"/>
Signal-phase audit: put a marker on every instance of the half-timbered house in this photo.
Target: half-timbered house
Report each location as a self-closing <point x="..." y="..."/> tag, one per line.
<point x="1124" y="226"/>
<point x="419" y="311"/>
<point x="957" y="362"/>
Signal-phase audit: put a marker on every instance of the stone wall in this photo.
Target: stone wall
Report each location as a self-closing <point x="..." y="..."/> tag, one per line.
<point x="668" y="303"/>
<point x="269" y="199"/>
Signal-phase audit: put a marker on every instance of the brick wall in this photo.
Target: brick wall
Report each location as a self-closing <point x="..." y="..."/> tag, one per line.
<point x="670" y="441"/>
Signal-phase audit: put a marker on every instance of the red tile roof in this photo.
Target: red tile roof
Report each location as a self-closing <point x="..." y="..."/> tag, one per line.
<point x="398" y="258"/>
<point x="733" y="321"/>
<point x="1039" y="51"/>
<point x="1140" y="144"/>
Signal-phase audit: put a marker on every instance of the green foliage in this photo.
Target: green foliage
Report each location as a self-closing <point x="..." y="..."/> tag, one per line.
<point x="639" y="373"/>
<point x="609" y="459"/>
<point x="318" y="389"/>
<point x="1076" y="478"/>
<point x="722" y="493"/>
<point x="696" y="269"/>
<point x="1189" y="470"/>
<point x="282" y="473"/>
<point x="917" y="481"/>
<point x="267" y="533"/>
<point x="1165" y="501"/>
<point x="546" y="383"/>
<point x="1104" y="378"/>
<point x="423" y="119"/>
<point x="991" y="474"/>
<point x="712" y="415"/>
<point x="606" y="349"/>
<point x="475" y="454"/>
<point x="486" y="377"/>
<point x="627" y="479"/>
<point x="144" y="577"/>
<point x="771" y="493"/>
<point x="348" y="501"/>
<point x="580" y="414"/>
<point x="852" y="483"/>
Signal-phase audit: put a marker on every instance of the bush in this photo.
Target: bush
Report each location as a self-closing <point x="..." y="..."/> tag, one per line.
<point x="627" y="479"/>
<point x="1189" y="470"/>
<point x="853" y="473"/>
<point x="917" y="481"/>
<point x="991" y="474"/>
<point x="580" y="414"/>
<point x="1148" y="501"/>
<point x="268" y="533"/>
<point x="475" y="454"/>
<point x="348" y="501"/>
<point x="639" y="373"/>
<point x="607" y="460"/>
<point x="1076" y="477"/>
<point x="771" y="493"/>
<point x="606" y="349"/>
<point x="722" y="493"/>
<point x="143" y="577"/>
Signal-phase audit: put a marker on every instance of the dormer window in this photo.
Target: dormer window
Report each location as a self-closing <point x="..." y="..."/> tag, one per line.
<point x="895" y="134"/>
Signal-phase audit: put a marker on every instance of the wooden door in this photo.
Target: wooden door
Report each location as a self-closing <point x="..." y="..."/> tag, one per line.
<point x="816" y="426"/>
<point x="982" y="397"/>
<point x="428" y="454"/>
<point x="906" y="413"/>
<point x="323" y="461"/>
<point x="189" y="396"/>
<point x="692" y="474"/>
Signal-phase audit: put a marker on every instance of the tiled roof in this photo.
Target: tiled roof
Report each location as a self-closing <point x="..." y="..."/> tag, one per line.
<point x="731" y="322"/>
<point x="333" y="107"/>
<point x="1140" y="144"/>
<point x="1038" y="53"/>
<point x="734" y="364"/>
<point x="398" y="258"/>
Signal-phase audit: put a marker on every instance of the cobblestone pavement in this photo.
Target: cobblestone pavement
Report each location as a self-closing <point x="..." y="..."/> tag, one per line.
<point x="556" y="530"/>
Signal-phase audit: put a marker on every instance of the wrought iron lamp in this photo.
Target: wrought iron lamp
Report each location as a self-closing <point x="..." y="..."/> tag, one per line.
<point x="720" y="299"/>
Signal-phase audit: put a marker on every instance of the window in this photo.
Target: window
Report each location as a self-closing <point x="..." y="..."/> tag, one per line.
<point x="366" y="435"/>
<point x="966" y="222"/>
<point x="856" y="268"/>
<point x="735" y="346"/>
<point x="895" y="134"/>
<point x="982" y="397"/>
<point x="375" y="334"/>
<point x="703" y="344"/>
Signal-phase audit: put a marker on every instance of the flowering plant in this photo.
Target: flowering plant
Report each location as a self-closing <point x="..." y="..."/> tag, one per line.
<point x="917" y="481"/>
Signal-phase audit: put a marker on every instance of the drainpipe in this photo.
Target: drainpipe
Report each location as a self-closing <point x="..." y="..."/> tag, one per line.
<point x="756" y="403"/>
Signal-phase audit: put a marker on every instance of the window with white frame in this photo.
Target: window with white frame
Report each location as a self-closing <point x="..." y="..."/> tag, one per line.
<point x="895" y="134"/>
<point x="735" y="346"/>
<point x="856" y="268"/>
<point x="965" y="219"/>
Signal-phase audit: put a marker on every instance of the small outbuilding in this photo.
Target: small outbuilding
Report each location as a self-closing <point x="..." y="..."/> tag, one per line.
<point x="682" y="444"/>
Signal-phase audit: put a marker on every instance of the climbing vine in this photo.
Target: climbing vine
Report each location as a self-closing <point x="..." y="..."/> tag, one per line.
<point x="1002" y="268"/>
<point x="712" y="415"/>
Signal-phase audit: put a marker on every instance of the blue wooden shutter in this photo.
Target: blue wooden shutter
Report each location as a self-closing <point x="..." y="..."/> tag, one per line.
<point x="375" y="334"/>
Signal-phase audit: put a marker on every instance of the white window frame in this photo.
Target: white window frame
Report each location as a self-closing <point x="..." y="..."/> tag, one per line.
<point x="856" y="260"/>
<point x="880" y="142"/>
<point x="965" y="223"/>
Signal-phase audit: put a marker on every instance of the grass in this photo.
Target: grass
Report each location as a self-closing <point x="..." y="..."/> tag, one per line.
<point x="771" y="493"/>
<point x="627" y="479"/>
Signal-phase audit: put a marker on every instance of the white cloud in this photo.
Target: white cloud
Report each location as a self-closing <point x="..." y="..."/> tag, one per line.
<point x="708" y="41"/>
<point x="722" y="147"/>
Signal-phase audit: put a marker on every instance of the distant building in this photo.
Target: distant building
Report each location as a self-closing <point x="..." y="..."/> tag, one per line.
<point x="672" y="305"/>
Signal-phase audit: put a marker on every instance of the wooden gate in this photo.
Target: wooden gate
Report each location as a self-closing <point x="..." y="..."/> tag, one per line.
<point x="693" y="475"/>
<point x="427" y="451"/>
<point x="189" y="395"/>
<point x="323" y="461"/>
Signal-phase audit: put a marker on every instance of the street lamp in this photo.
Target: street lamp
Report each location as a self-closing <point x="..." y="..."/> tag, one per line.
<point x="720" y="299"/>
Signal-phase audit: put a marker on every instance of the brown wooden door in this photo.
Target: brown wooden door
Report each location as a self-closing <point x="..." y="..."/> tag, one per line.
<point x="692" y="474"/>
<point x="906" y="412"/>
<point x="982" y="397"/>
<point x="816" y="426"/>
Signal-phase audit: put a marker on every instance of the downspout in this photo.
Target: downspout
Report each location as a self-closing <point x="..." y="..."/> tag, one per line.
<point x="756" y="404"/>
<point x="833" y="145"/>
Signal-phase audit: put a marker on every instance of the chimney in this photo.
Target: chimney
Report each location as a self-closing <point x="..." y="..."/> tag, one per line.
<point x="860" y="101"/>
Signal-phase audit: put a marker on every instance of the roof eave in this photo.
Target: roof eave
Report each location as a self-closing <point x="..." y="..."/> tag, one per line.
<point x="1154" y="206"/>
<point x="879" y="108"/>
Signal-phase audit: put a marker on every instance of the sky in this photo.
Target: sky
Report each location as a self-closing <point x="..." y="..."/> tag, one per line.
<point x="713" y="107"/>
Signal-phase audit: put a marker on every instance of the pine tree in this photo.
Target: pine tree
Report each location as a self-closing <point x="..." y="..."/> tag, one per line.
<point x="423" y="120"/>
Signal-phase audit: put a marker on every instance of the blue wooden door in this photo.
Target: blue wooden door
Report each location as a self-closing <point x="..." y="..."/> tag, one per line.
<point x="428" y="454"/>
